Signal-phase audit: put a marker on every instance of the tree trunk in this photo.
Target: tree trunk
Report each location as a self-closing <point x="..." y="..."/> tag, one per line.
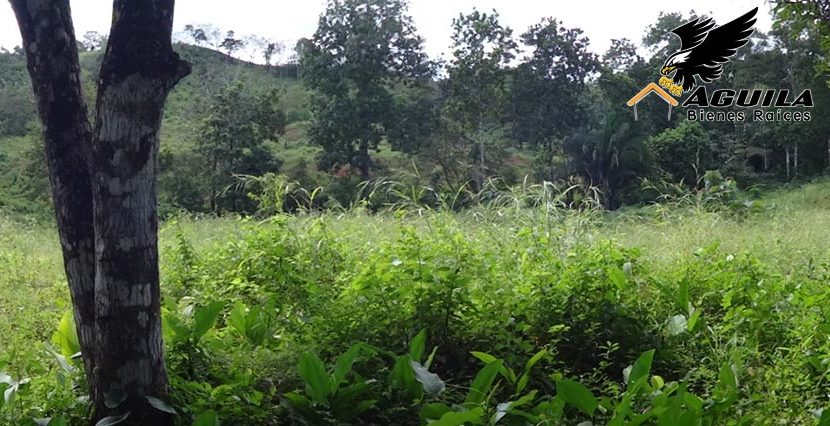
<point x="795" y="160"/>
<point x="481" y="165"/>
<point x="105" y="192"/>
<point x="52" y="61"/>
<point x="138" y="71"/>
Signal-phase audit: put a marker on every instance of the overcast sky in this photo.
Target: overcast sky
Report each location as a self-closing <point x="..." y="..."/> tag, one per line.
<point x="288" y="21"/>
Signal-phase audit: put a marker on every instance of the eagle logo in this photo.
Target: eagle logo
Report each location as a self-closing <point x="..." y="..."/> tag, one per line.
<point x="704" y="50"/>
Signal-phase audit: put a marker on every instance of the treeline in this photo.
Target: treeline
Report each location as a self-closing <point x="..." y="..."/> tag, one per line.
<point x="506" y="106"/>
<point x="541" y="94"/>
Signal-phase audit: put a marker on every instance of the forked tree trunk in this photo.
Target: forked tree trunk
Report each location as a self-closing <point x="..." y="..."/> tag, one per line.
<point x="104" y="188"/>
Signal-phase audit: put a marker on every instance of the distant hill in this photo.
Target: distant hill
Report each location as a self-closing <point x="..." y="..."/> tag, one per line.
<point x="22" y="173"/>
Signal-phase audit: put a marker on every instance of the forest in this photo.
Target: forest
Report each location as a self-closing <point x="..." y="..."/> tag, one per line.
<point x="346" y="231"/>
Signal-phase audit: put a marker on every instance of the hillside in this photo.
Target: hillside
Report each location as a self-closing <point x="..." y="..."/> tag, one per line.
<point x="23" y="185"/>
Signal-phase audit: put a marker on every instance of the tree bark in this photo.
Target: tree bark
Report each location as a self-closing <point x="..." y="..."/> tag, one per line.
<point x="138" y="71"/>
<point x="52" y="61"/>
<point x="104" y="189"/>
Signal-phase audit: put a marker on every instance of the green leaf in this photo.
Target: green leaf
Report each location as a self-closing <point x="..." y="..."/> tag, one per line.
<point x="487" y="358"/>
<point x="343" y="364"/>
<point x="693" y="318"/>
<point x="66" y="336"/>
<point x="431" y="357"/>
<point x="297" y="400"/>
<point x="403" y="377"/>
<point x="522" y="384"/>
<point x="161" y="405"/>
<point x="505" y="408"/>
<point x="433" y="411"/>
<point x="641" y="368"/>
<point x="617" y="276"/>
<point x="433" y="385"/>
<point x="205" y="318"/>
<point x="458" y="418"/>
<point x="682" y="296"/>
<point x="207" y="418"/>
<point x="482" y="382"/>
<point x="173" y="327"/>
<point x="824" y="420"/>
<point x="313" y="371"/>
<point x="362" y="406"/>
<point x="574" y="393"/>
<point x="417" y="345"/>
<point x="726" y="389"/>
<point x="57" y="421"/>
<point x="113" y="420"/>
<point x="657" y="382"/>
<point x="237" y="317"/>
<point x="64" y="364"/>
<point x="484" y="357"/>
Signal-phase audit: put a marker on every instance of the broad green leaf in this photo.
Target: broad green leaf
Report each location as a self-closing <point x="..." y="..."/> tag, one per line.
<point x="313" y="371"/>
<point x="205" y="318"/>
<point x="64" y="364"/>
<point x="482" y="382"/>
<point x="534" y="359"/>
<point x="297" y="399"/>
<point x="237" y="317"/>
<point x="577" y="395"/>
<point x="641" y="368"/>
<point x="824" y="419"/>
<point x="362" y="406"/>
<point x="522" y="383"/>
<point x="484" y="357"/>
<point x="161" y="405"/>
<point x="657" y="382"/>
<point x="433" y="385"/>
<point x="343" y="365"/>
<point x="433" y="411"/>
<point x="173" y="327"/>
<point x="693" y="318"/>
<point x="403" y="377"/>
<point x="487" y="359"/>
<point x="682" y="296"/>
<point x="458" y="418"/>
<point x="417" y="345"/>
<point x="3" y="388"/>
<point x="505" y="408"/>
<point x="113" y="420"/>
<point x="727" y="387"/>
<point x="57" y="421"/>
<point x="66" y="336"/>
<point x="207" y="418"/>
<point x="617" y="276"/>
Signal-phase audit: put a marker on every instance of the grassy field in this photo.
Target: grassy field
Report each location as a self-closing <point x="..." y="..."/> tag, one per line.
<point x="590" y="291"/>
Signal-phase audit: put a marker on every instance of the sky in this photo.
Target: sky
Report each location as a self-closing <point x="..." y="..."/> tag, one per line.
<point x="287" y="21"/>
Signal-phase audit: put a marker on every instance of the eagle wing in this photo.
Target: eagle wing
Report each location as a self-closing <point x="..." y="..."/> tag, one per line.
<point x="693" y="32"/>
<point x="722" y="42"/>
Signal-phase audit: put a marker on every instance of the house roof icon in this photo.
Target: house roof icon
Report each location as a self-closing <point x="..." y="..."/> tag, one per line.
<point x="651" y="87"/>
